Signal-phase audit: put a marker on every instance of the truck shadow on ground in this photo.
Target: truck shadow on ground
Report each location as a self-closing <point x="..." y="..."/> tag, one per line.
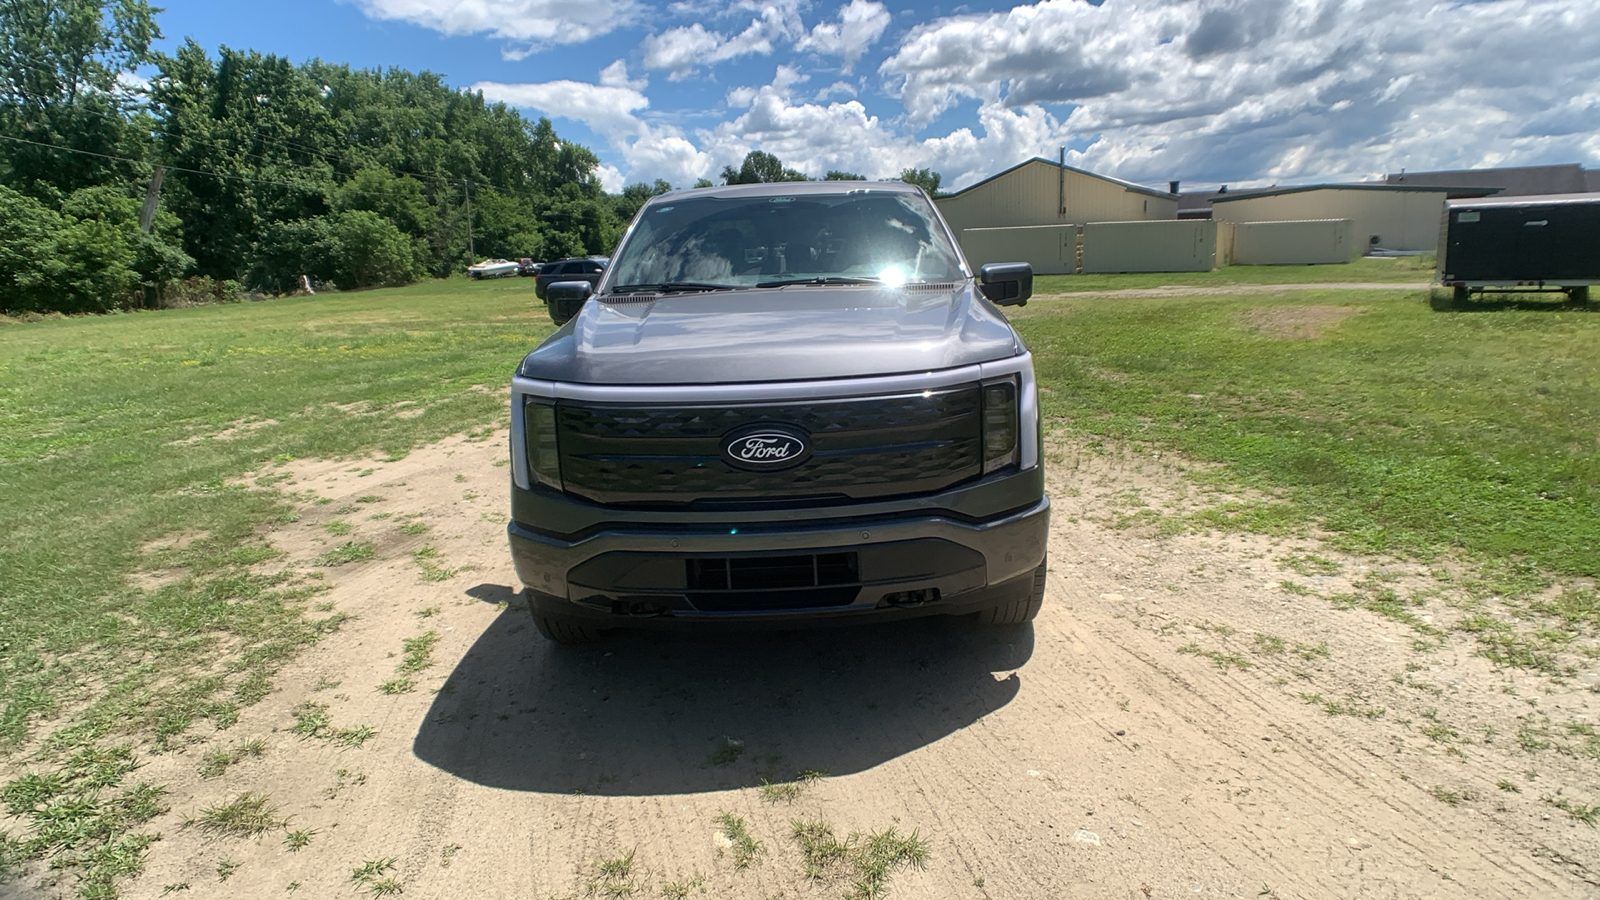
<point x="648" y="713"/>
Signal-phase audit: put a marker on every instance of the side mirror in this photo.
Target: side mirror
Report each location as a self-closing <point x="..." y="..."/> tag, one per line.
<point x="1007" y="284"/>
<point x="573" y="292"/>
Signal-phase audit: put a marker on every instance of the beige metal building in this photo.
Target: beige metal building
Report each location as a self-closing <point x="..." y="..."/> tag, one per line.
<point x="1042" y="192"/>
<point x="1383" y="216"/>
<point x="1306" y="243"/>
<point x="1174" y="246"/>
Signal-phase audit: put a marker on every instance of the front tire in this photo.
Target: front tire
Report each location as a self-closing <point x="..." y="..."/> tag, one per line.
<point x="560" y="629"/>
<point x="1022" y="611"/>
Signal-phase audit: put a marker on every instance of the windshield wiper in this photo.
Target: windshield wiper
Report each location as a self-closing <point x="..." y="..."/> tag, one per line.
<point x="671" y="287"/>
<point x="827" y="279"/>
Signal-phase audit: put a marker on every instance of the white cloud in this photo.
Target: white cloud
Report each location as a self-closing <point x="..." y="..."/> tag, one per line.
<point x="1218" y="90"/>
<point x="861" y="23"/>
<point x="607" y="109"/>
<point x="524" y="23"/>
<point x="837" y="89"/>
<point x="680" y="51"/>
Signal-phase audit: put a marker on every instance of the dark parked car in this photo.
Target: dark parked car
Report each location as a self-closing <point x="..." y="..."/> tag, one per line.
<point x="782" y="402"/>
<point x="587" y="268"/>
<point x="527" y="268"/>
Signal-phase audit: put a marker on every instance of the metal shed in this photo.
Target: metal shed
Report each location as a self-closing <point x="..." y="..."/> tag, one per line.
<point x="1383" y="216"/>
<point x="1043" y="192"/>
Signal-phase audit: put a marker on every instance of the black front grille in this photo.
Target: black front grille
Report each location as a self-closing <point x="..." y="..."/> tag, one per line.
<point x="862" y="448"/>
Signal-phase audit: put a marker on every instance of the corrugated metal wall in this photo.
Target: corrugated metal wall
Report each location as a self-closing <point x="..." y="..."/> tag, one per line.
<point x="1050" y="249"/>
<point x="1034" y="193"/>
<point x="1187" y="245"/>
<point x="1400" y="219"/>
<point x="1306" y="242"/>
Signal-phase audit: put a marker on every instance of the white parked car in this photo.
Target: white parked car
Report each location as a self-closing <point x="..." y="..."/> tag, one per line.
<point x="492" y="268"/>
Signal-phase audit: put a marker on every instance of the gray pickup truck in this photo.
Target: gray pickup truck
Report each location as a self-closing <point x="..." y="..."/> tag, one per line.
<point x="782" y="403"/>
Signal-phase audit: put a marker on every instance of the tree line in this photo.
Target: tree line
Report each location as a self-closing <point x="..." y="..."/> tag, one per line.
<point x="244" y="171"/>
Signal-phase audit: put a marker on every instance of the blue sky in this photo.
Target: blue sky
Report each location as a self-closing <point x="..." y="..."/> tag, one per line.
<point x="1205" y="91"/>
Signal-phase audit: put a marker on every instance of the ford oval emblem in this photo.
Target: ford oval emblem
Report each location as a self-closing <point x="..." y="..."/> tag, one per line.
<point x="766" y="447"/>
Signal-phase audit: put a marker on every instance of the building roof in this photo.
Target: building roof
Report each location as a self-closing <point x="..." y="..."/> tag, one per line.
<point x="1297" y="189"/>
<point x="1126" y="185"/>
<point x="1526" y="200"/>
<point x="1512" y="180"/>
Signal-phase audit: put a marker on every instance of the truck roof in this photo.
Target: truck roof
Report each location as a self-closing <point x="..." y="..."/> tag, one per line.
<point x="788" y="188"/>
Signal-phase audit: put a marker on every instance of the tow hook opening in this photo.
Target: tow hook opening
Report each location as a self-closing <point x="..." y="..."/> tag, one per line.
<point x="911" y="598"/>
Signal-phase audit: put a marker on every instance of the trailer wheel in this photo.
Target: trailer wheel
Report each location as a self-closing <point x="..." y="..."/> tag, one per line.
<point x="1579" y="295"/>
<point x="1462" y="294"/>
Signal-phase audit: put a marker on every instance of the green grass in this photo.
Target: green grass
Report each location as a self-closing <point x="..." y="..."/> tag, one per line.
<point x="867" y="860"/>
<point x="746" y="849"/>
<point x="1412" y="270"/>
<point x="91" y="469"/>
<point x="1398" y="430"/>
<point x="247" y="815"/>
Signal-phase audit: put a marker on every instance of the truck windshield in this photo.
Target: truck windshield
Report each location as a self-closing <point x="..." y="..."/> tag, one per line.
<point x="863" y="236"/>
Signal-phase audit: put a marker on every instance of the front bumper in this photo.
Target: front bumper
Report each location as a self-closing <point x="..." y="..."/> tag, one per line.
<point x="891" y="560"/>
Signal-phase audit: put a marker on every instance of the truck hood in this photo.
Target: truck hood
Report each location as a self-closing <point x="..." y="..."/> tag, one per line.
<point x="774" y="334"/>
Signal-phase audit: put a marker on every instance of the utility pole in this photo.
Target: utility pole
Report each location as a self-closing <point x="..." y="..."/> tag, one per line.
<point x="472" y="255"/>
<point x="152" y="198"/>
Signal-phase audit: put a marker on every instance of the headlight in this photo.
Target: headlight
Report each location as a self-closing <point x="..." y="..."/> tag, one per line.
<point x="999" y="425"/>
<point x="544" y="454"/>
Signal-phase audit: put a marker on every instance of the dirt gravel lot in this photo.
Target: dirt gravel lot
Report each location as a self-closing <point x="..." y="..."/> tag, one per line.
<point x="1178" y="723"/>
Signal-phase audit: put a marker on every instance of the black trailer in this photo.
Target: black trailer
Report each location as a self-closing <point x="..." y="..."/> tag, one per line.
<point x="1542" y="243"/>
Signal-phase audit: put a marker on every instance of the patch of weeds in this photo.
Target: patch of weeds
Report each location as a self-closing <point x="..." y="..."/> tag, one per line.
<point x="1588" y="815"/>
<point x="217" y="761"/>
<point x="1440" y="733"/>
<point x="1214" y="628"/>
<point x="1351" y="705"/>
<point x="1533" y="738"/>
<point x="1309" y="564"/>
<point x="1508" y="786"/>
<point x="226" y="867"/>
<point x="1445" y="795"/>
<point x="1502" y="643"/>
<point x="680" y="890"/>
<point x="347" y="552"/>
<point x="1223" y="661"/>
<point x="414" y="528"/>
<point x="81" y="818"/>
<point x="428" y="612"/>
<point x="247" y="815"/>
<point x="344" y="778"/>
<point x="746" y="849"/>
<point x="614" y="878"/>
<point x="174" y="888"/>
<point x="378" y="517"/>
<point x="447" y="854"/>
<point x="1294" y="587"/>
<point x="866" y="860"/>
<point x="372" y="876"/>
<point x="369" y="498"/>
<point x="397" y="686"/>
<point x="337" y="528"/>
<point x="1375" y="597"/>
<point x="727" y="753"/>
<point x="354" y="737"/>
<point x="417" y="653"/>
<point x="1268" y="644"/>
<point x="311" y="720"/>
<point x="295" y="841"/>
<point x="1309" y="652"/>
<point x="425" y="558"/>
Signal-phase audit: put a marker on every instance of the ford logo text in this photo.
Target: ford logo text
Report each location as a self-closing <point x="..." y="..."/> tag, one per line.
<point x="765" y="448"/>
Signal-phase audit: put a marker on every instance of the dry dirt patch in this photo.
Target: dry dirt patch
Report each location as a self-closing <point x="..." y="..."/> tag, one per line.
<point x="1298" y="323"/>
<point x="1153" y="735"/>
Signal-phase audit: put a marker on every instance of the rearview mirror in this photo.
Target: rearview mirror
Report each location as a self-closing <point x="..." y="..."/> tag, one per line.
<point x="1007" y="284"/>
